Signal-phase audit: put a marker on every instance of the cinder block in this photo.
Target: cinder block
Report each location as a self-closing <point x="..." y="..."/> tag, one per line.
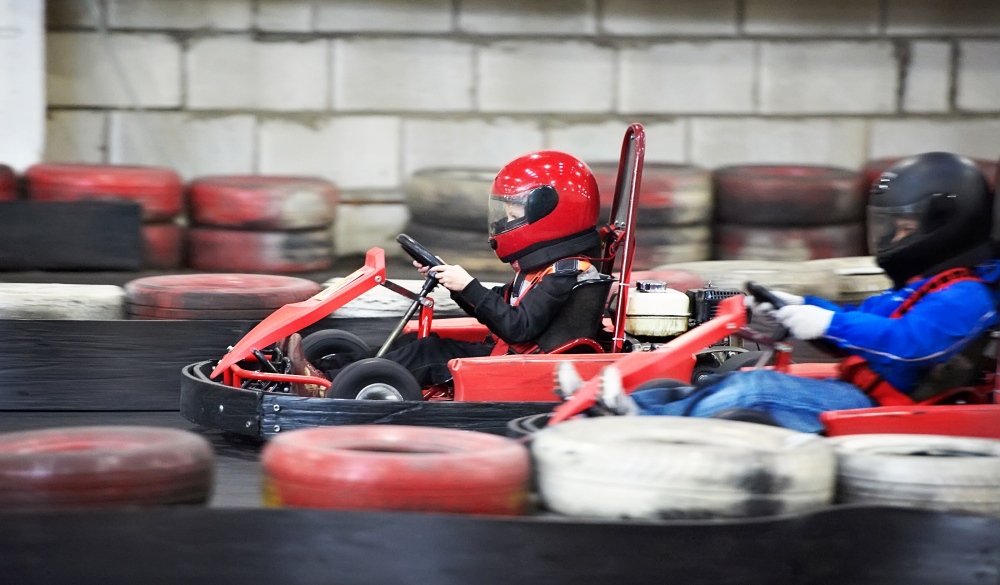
<point x="833" y="77"/>
<point x="75" y="136"/>
<point x="81" y="70"/>
<point x="180" y="14"/>
<point x="704" y="77"/>
<point x="927" y="77"/>
<point x="979" y="138"/>
<point x="232" y="72"/>
<point x="72" y="13"/>
<point x="22" y="82"/>
<point x="978" y="78"/>
<point x="717" y="142"/>
<point x="384" y="15"/>
<point x="284" y="15"/>
<point x="936" y="17"/>
<point x="545" y="77"/>
<point x="797" y="18"/>
<point x="355" y="152"/>
<point x="528" y="17"/>
<point x="678" y="17"/>
<point x="360" y="227"/>
<point x="466" y="143"/>
<point x="192" y="145"/>
<point x="404" y="74"/>
<point x="602" y="141"/>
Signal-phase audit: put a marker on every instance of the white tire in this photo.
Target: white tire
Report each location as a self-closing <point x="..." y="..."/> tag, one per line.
<point x="97" y="302"/>
<point x="954" y="474"/>
<point x="382" y="302"/>
<point x="857" y="277"/>
<point x="677" y="467"/>
<point x="793" y="277"/>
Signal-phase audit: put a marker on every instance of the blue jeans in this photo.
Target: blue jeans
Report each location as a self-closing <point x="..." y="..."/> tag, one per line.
<point x="793" y="402"/>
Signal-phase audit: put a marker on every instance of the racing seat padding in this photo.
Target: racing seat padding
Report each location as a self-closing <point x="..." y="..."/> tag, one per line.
<point x="581" y="316"/>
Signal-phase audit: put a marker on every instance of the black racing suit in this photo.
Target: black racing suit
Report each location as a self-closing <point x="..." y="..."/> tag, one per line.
<point x="427" y="358"/>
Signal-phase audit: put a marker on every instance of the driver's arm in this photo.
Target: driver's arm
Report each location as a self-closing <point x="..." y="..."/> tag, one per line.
<point x="530" y="317"/>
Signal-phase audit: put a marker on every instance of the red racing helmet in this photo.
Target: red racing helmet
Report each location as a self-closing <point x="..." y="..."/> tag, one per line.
<point x="540" y="200"/>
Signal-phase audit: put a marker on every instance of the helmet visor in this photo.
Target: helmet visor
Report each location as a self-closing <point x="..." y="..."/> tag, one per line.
<point x="888" y="225"/>
<point x="507" y="212"/>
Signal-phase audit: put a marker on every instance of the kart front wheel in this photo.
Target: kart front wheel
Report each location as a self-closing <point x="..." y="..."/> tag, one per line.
<point x="375" y="379"/>
<point x="331" y="341"/>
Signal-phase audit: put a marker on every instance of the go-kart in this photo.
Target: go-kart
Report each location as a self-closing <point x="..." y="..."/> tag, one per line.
<point x="966" y="411"/>
<point x="248" y="390"/>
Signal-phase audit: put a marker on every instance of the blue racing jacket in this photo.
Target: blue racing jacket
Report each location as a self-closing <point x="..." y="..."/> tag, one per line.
<point x="936" y="328"/>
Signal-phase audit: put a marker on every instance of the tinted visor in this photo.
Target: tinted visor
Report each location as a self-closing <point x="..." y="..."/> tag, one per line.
<point x="888" y="225"/>
<point x="508" y="212"/>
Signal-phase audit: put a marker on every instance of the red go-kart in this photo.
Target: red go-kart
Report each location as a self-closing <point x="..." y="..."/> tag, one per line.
<point x="965" y="411"/>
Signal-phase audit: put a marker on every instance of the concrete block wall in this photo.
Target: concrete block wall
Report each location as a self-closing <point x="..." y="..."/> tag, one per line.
<point x="364" y="92"/>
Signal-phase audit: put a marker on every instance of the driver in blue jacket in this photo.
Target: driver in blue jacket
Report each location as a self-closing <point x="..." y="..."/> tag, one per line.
<point x="929" y="226"/>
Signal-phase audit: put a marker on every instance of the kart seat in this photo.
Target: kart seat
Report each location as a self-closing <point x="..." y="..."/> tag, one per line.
<point x="580" y="318"/>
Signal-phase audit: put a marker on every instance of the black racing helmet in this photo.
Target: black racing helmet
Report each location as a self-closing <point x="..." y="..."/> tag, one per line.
<point x="929" y="213"/>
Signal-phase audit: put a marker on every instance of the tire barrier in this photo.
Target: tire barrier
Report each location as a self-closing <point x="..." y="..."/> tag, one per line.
<point x="677" y="467"/>
<point x="789" y="212"/>
<point x="158" y="191"/>
<point x="163" y="245"/>
<point x="676" y="279"/>
<point x="221" y="250"/>
<point x="102" y="467"/>
<point x="8" y="184"/>
<point x="367" y="220"/>
<point x="789" y="244"/>
<point x="953" y="474"/>
<point x="386" y="467"/>
<point x="857" y="277"/>
<point x="673" y="223"/>
<point x="249" y="223"/>
<point x="799" y="278"/>
<point x="80" y="302"/>
<point x="450" y="198"/>
<point x="214" y="296"/>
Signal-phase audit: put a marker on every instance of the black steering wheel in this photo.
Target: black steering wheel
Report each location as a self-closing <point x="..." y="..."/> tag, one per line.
<point x="419" y="253"/>
<point x="764" y="295"/>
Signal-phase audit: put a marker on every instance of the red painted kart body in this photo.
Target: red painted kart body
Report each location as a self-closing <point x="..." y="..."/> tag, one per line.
<point x="963" y="412"/>
<point x="509" y="378"/>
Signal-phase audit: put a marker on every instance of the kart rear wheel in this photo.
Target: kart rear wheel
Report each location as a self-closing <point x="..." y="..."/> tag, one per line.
<point x="331" y="341"/>
<point x="526" y="426"/>
<point x="743" y="360"/>
<point x="375" y="379"/>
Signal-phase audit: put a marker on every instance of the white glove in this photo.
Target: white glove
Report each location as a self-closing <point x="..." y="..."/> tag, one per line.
<point x="805" y="321"/>
<point x="788" y="298"/>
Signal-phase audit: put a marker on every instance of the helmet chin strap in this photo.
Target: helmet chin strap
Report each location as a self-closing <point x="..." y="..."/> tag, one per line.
<point x="545" y="253"/>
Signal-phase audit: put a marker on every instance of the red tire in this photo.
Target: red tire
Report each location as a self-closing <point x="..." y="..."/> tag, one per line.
<point x="669" y="194"/>
<point x="873" y="169"/>
<point x="263" y="202"/>
<point x="676" y="279"/>
<point x="789" y="195"/>
<point x="201" y="293"/>
<point x="162" y="245"/>
<point x="385" y="467"/>
<point x="735" y="242"/>
<point x="656" y="246"/>
<point x="144" y="313"/>
<point x="159" y="191"/>
<point x="243" y="251"/>
<point x="8" y="184"/>
<point x="113" y="466"/>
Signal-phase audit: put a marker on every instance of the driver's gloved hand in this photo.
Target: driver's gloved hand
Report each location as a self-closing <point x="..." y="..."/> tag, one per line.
<point x="805" y="321"/>
<point x="789" y="299"/>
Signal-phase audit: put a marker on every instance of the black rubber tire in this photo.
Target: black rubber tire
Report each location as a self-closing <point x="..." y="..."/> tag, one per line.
<point x="750" y="415"/>
<point x="526" y="426"/>
<point x="356" y="377"/>
<point x="701" y="370"/>
<point x="660" y="383"/>
<point x="331" y="341"/>
<point x="742" y="360"/>
<point x="451" y="198"/>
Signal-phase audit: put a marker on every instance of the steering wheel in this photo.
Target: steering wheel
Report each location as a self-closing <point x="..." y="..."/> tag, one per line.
<point x="764" y="295"/>
<point x="419" y="253"/>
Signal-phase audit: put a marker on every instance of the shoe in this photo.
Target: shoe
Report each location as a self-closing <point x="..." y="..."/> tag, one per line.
<point x="302" y="367"/>
<point x="613" y="395"/>
<point x="568" y="380"/>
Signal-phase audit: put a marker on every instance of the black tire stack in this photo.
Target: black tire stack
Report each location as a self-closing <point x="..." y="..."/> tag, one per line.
<point x="673" y="222"/>
<point x="789" y="212"/>
<point x="449" y="208"/>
